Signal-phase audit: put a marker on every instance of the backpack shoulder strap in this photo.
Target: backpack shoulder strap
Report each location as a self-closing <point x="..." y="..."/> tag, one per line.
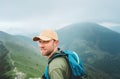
<point x="61" y="54"/>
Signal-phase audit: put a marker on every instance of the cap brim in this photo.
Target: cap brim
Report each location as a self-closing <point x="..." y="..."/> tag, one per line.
<point x="37" y="38"/>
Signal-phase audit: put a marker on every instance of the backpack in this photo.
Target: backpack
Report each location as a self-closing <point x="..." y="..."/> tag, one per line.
<point x="74" y="61"/>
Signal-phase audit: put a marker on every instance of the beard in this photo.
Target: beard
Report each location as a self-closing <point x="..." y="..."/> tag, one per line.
<point x="46" y="52"/>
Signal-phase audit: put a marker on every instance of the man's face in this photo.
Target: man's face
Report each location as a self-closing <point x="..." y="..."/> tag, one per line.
<point x="47" y="47"/>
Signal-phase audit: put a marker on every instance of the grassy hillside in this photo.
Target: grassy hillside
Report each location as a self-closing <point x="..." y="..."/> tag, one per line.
<point x="5" y="63"/>
<point x="25" y="57"/>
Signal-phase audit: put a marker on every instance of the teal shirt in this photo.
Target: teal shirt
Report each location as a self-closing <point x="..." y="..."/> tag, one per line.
<point x="59" y="68"/>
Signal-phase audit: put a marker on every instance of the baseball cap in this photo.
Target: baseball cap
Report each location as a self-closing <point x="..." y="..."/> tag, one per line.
<point x="46" y="35"/>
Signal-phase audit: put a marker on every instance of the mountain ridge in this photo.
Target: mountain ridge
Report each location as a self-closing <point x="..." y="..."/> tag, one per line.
<point x="87" y="31"/>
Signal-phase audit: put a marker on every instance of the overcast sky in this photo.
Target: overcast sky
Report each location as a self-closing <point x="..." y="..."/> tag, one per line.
<point x="28" y="16"/>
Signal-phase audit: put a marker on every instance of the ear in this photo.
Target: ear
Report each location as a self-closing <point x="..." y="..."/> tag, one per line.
<point x="56" y="43"/>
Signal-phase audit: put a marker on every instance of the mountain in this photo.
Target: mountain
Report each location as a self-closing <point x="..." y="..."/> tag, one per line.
<point x="5" y="65"/>
<point x="116" y="28"/>
<point x="97" y="46"/>
<point x="24" y="56"/>
<point x="93" y="33"/>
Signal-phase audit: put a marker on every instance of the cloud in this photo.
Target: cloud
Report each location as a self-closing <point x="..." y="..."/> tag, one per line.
<point x="27" y="16"/>
<point x="109" y="24"/>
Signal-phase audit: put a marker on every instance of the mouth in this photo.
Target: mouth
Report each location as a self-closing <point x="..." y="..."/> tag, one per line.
<point x="42" y="49"/>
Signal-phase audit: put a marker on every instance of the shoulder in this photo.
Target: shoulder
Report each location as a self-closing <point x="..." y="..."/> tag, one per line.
<point x="58" y="63"/>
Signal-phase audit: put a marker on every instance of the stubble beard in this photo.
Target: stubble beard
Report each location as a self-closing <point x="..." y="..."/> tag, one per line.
<point x="47" y="52"/>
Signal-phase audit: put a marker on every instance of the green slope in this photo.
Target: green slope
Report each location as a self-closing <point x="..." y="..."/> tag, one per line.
<point x="5" y="63"/>
<point x="25" y="56"/>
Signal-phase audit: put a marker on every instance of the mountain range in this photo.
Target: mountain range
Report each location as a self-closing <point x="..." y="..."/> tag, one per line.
<point x="97" y="46"/>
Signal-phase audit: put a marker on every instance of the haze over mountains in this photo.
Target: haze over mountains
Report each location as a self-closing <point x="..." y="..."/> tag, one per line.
<point x="98" y="47"/>
<point x="116" y="28"/>
<point x="92" y="33"/>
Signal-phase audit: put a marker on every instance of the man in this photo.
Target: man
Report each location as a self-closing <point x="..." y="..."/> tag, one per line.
<point x="48" y="44"/>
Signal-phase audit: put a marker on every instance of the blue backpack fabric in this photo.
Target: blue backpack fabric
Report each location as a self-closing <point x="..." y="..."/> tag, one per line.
<point x="74" y="61"/>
